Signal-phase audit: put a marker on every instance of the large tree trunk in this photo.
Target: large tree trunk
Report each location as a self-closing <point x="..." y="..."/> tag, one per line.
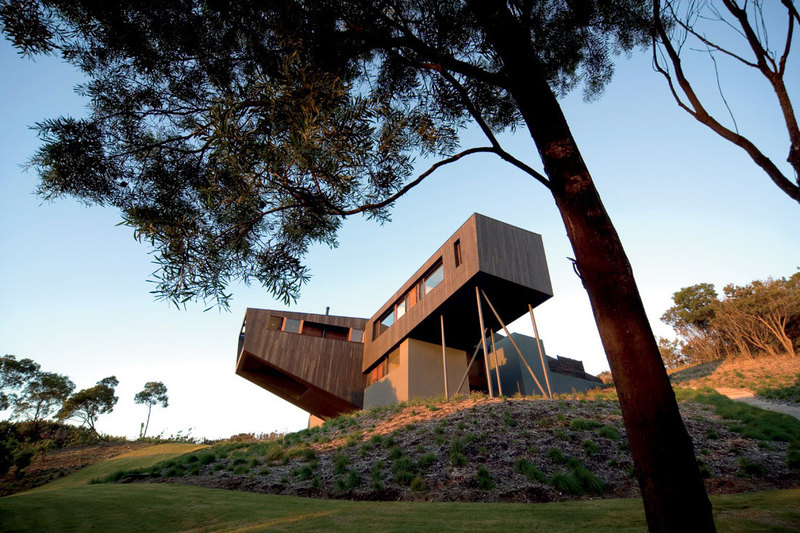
<point x="672" y="488"/>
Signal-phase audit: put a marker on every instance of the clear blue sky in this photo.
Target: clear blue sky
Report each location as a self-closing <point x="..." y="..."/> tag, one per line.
<point x="689" y="208"/>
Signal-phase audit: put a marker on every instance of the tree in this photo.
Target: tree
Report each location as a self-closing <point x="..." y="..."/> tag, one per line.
<point x="762" y="316"/>
<point x="671" y="353"/>
<point x="13" y="375"/>
<point x="681" y="25"/>
<point x="692" y="317"/>
<point x="41" y="395"/>
<point x="153" y="393"/>
<point x="231" y="137"/>
<point x="88" y="404"/>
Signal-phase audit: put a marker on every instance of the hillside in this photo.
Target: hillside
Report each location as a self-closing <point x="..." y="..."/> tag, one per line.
<point x="480" y="449"/>
<point x="771" y="378"/>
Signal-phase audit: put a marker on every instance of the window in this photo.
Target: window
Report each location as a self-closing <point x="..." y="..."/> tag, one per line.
<point x="291" y="325"/>
<point x="434" y="278"/>
<point x="312" y="329"/>
<point x="275" y="322"/>
<point x="383" y="323"/>
<point x="386" y="364"/>
<point x="357" y="335"/>
<point x="457" y="252"/>
<point x="401" y="308"/>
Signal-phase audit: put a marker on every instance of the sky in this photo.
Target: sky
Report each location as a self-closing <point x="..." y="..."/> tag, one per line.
<point x="688" y="206"/>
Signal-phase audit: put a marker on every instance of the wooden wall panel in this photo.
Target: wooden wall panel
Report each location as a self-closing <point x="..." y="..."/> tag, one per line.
<point x="332" y="365"/>
<point x="504" y="260"/>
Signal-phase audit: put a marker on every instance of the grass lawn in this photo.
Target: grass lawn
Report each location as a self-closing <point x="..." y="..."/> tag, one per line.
<point x="72" y="504"/>
<point x="162" y="507"/>
<point x="142" y="458"/>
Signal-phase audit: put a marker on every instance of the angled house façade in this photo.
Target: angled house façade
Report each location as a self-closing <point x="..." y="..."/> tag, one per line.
<point x="439" y="334"/>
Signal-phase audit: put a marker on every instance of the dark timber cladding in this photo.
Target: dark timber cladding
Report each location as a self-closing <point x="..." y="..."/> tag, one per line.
<point x="504" y="261"/>
<point x="318" y="372"/>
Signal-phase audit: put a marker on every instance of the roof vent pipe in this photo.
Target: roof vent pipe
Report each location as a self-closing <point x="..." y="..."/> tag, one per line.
<point x="327" y="310"/>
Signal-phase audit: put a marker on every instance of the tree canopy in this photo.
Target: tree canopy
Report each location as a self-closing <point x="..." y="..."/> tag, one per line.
<point x="88" y="404"/>
<point x="231" y="138"/>
<point x="153" y="393"/>
<point x="43" y="393"/>
<point x="14" y="374"/>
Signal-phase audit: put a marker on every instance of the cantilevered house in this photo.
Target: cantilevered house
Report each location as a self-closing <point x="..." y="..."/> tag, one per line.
<point x="434" y="336"/>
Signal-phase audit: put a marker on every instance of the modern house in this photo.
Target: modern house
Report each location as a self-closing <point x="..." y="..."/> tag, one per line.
<point x="437" y="335"/>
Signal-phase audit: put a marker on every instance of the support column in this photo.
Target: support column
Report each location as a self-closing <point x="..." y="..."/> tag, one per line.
<point x="545" y="369"/>
<point x="514" y="344"/>
<point x="496" y="364"/>
<point x="466" y="372"/>
<point x="483" y="343"/>
<point x="444" y="359"/>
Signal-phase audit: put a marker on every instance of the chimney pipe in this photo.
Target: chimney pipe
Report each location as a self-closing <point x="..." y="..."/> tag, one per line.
<point x="327" y="310"/>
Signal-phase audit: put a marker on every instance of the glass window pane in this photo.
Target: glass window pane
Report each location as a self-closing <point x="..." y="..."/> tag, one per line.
<point x="434" y="278"/>
<point x="275" y="322"/>
<point x="357" y="335"/>
<point x="401" y="308"/>
<point x="291" y="325"/>
<point x="387" y="320"/>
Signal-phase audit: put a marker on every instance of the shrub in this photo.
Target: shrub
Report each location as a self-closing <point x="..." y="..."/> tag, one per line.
<point x="206" y="458"/>
<point x="427" y="460"/>
<point x="376" y="476"/>
<point x="395" y="453"/>
<point x="274" y="453"/>
<point x="303" y="473"/>
<point x="417" y="484"/>
<point x="751" y="468"/>
<point x="566" y="483"/>
<point x="793" y="456"/>
<point x="583" y="424"/>
<point x="588" y="481"/>
<point x="241" y="469"/>
<point x="609" y="432"/>
<point x="590" y="447"/>
<point x="485" y="481"/>
<point x="556" y="456"/>
<point x="562" y="435"/>
<point x="458" y="459"/>
<point x="532" y="472"/>
<point x="403" y="470"/>
<point x="340" y="462"/>
<point x="376" y="440"/>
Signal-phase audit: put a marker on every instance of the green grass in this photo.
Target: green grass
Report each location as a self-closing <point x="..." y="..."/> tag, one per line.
<point x="749" y="421"/>
<point x="142" y="458"/>
<point x="144" y="508"/>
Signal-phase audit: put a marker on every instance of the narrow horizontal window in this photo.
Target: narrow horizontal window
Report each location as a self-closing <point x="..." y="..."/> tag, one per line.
<point x="434" y="278"/>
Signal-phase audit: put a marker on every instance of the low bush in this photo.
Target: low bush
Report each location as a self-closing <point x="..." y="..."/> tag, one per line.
<point x="485" y="481"/>
<point x="532" y="472"/>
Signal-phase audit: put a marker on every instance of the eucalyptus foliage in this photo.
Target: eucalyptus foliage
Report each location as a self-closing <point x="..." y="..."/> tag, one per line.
<point x="233" y="136"/>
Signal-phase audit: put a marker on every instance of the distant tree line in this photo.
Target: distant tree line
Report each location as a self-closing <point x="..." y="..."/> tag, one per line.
<point x="38" y="404"/>
<point x="759" y="318"/>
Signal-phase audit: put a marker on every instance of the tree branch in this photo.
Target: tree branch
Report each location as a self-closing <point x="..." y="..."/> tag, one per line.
<point x="410" y="185"/>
